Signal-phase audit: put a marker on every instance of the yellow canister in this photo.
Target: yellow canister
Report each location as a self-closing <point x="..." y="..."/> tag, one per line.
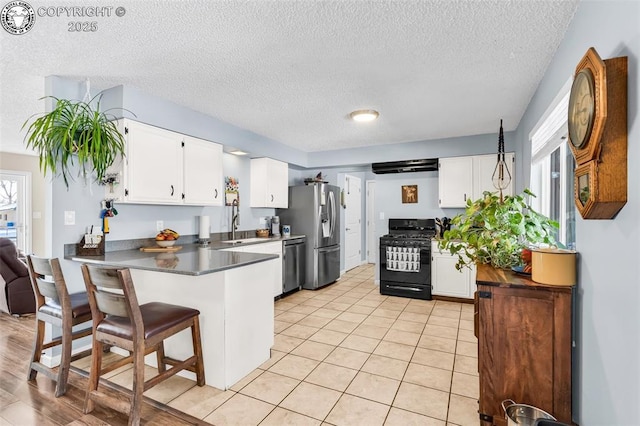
<point x="553" y="266"/>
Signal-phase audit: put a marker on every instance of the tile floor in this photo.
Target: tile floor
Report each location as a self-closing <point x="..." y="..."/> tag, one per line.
<point x="346" y="355"/>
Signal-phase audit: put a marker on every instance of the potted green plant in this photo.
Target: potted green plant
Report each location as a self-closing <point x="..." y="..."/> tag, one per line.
<point x="495" y="232"/>
<point x="75" y="131"/>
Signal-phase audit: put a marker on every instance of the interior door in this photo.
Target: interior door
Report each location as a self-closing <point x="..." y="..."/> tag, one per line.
<point x="353" y="216"/>
<point x="372" y="241"/>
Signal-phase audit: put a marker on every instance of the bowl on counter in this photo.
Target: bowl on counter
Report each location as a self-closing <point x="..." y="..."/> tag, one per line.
<point x="262" y="233"/>
<point x="165" y="243"/>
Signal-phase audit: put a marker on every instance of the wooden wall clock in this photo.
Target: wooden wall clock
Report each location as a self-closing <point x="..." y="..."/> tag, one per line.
<point x="597" y="122"/>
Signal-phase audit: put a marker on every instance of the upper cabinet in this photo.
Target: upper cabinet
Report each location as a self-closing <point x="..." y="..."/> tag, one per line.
<point x="463" y="178"/>
<point x="269" y="183"/>
<point x="483" y="168"/>
<point x="455" y="181"/>
<point x="202" y="172"/>
<point x="164" y="167"/>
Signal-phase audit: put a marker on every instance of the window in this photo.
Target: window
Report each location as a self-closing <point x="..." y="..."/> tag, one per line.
<point x="552" y="167"/>
<point x="14" y="208"/>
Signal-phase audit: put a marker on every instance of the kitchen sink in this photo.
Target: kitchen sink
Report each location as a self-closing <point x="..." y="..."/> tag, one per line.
<point x="244" y="240"/>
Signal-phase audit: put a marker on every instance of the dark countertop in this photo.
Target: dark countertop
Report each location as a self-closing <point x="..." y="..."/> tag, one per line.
<point x="190" y="260"/>
<point x="488" y="275"/>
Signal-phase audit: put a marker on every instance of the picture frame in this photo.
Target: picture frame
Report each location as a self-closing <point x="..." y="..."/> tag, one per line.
<point x="409" y="194"/>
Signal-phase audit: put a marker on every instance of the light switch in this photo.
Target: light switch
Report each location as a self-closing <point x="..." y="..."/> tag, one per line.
<point x="381" y="215"/>
<point x="69" y="217"/>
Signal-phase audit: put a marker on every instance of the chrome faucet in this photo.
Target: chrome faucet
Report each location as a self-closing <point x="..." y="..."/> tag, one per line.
<point x="235" y="218"/>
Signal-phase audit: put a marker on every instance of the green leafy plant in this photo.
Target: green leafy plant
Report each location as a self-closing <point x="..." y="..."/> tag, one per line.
<point x="75" y="131"/>
<point x="495" y="232"/>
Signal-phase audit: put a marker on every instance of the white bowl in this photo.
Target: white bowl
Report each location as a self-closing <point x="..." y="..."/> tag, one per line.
<point x="165" y="243"/>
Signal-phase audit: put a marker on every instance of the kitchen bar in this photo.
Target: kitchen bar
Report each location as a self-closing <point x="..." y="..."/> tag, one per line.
<point x="232" y="291"/>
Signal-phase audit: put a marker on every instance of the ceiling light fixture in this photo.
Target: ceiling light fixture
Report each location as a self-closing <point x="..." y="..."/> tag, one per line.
<point x="364" y="115"/>
<point x="238" y="152"/>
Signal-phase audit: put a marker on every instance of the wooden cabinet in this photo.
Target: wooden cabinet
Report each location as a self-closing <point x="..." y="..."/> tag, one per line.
<point x="203" y="181"/>
<point x="269" y="183"/>
<point x="524" y="345"/>
<point x="446" y="279"/>
<point x="455" y="181"/>
<point x="463" y="178"/>
<point x="165" y="167"/>
<point x="273" y="270"/>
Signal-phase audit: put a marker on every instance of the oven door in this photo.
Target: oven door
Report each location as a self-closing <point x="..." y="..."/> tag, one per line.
<point x="410" y="265"/>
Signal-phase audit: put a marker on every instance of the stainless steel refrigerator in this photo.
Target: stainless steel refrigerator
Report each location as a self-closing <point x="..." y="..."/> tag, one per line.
<point x="313" y="211"/>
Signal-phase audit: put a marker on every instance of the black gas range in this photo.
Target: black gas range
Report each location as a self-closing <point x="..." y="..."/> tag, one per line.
<point x="405" y="258"/>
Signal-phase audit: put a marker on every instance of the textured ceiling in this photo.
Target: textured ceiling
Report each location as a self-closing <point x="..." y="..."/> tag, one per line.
<point x="293" y="70"/>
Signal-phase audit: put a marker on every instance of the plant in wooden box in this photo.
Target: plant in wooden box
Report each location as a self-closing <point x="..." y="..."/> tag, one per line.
<point x="75" y="131"/>
<point x="495" y="232"/>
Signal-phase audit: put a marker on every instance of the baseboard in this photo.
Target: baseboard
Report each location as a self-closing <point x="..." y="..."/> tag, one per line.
<point x="377" y="282"/>
<point x="53" y="361"/>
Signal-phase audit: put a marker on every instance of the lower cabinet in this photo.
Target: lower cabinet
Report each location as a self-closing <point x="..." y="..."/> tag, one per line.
<point x="446" y="280"/>
<point x="524" y="345"/>
<point x="274" y="274"/>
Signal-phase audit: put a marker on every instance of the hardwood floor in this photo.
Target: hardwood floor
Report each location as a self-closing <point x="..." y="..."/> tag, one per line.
<point x="24" y="403"/>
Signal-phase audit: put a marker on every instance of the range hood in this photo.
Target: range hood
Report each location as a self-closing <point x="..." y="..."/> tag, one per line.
<point x="425" y="165"/>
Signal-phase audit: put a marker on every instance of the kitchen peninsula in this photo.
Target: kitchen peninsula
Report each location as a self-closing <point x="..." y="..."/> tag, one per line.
<point x="232" y="291"/>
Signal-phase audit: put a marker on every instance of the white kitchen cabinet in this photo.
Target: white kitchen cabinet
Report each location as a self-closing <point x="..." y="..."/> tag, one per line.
<point x="203" y="181"/>
<point x="153" y="165"/>
<point x="269" y="183"/>
<point x="455" y="181"/>
<point x="463" y="178"/>
<point x="165" y="167"/>
<point x="271" y="272"/>
<point x="483" y="168"/>
<point x="446" y="280"/>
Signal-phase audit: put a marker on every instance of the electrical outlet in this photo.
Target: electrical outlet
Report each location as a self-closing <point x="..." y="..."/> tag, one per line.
<point x="69" y="217"/>
<point x="159" y="225"/>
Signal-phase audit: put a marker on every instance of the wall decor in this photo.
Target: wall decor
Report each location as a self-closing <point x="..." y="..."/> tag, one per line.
<point x="409" y="194"/>
<point x="597" y="121"/>
<point x="231" y="190"/>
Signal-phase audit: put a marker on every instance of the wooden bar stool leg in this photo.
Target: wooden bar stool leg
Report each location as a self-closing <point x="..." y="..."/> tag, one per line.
<point x="138" y="387"/>
<point x="160" y="356"/>
<point x="197" y="351"/>
<point x="37" y="349"/>
<point x="65" y="360"/>
<point x="94" y="375"/>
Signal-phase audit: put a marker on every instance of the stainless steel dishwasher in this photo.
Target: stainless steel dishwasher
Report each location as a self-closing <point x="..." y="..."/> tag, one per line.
<point x="293" y="264"/>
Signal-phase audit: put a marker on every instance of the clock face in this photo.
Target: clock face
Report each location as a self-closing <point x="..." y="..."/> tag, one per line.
<point x="581" y="108"/>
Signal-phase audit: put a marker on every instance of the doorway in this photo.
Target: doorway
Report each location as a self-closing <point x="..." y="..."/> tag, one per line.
<point x="15" y="208"/>
<point x="353" y="216"/>
<point x="372" y="247"/>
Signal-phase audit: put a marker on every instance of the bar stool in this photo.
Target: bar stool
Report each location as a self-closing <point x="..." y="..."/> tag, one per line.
<point x="120" y="321"/>
<point x="60" y="309"/>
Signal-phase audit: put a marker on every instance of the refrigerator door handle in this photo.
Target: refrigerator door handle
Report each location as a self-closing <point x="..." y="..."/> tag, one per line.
<point x="332" y="202"/>
<point x="329" y="249"/>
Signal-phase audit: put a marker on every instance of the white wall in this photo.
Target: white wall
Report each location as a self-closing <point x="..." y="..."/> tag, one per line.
<point x="607" y="359"/>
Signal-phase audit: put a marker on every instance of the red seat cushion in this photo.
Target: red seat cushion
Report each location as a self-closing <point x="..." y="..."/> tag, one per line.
<point x="79" y="306"/>
<point x="157" y="317"/>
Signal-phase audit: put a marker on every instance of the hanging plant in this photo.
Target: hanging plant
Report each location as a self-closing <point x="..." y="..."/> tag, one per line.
<point x="494" y="231"/>
<point x="75" y="131"/>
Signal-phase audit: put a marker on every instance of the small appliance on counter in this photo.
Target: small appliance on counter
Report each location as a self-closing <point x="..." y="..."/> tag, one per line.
<point x="275" y="226"/>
